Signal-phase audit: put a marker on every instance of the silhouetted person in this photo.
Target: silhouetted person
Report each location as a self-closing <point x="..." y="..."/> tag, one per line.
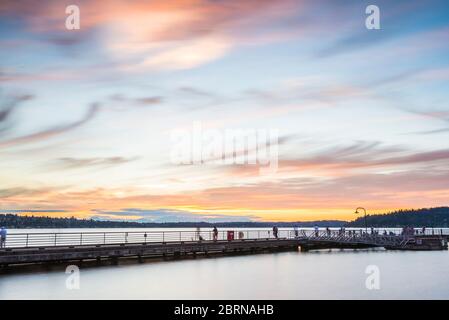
<point x="316" y="231"/>
<point x="275" y="232"/>
<point x="3" y="233"/>
<point x="215" y="233"/>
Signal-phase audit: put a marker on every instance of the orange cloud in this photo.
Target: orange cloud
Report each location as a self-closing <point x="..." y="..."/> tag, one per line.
<point x="292" y="199"/>
<point x="169" y="34"/>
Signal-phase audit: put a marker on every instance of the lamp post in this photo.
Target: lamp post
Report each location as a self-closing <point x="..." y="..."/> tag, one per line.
<point x="357" y="212"/>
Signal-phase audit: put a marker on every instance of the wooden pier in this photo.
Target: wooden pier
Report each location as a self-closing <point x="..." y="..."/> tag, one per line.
<point x="143" y="250"/>
<point x="350" y="240"/>
<point x="41" y="248"/>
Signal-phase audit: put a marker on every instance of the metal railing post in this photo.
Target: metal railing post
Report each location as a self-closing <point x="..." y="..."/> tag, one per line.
<point x="26" y="245"/>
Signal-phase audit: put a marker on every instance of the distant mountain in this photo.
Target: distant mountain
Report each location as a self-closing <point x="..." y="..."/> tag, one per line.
<point x="22" y="222"/>
<point x="432" y="217"/>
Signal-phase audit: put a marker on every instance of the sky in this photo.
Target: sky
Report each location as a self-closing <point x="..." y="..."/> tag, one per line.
<point x="88" y="116"/>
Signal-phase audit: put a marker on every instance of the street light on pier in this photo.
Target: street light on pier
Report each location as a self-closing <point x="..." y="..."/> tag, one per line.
<point x="357" y="212"/>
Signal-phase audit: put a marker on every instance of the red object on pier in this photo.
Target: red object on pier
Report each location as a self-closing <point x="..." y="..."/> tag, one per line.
<point x="230" y="235"/>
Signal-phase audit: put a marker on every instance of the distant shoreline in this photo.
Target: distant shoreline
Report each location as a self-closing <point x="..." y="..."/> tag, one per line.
<point x="431" y="217"/>
<point x="31" y="222"/>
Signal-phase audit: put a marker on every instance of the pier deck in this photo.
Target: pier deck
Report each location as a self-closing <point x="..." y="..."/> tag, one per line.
<point x="35" y="248"/>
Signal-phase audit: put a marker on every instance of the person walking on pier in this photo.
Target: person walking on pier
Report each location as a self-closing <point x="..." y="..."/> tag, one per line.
<point x="215" y="233"/>
<point x="3" y="233"/>
<point x="275" y="232"/>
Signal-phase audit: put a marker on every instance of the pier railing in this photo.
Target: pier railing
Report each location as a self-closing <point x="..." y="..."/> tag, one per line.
<point x="45" y="239"/>
<point x="25" y="240"/>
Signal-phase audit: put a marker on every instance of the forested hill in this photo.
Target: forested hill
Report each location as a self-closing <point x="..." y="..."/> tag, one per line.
<point x="21" y="222"/>
<point x="432" y="217"/>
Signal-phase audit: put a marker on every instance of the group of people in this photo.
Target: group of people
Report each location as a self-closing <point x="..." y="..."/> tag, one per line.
<point x="275" y="230"/>
<point x="241" y="234"/>
<point x="410" y="231"/>
<point x="215" y="233"/>
<point x="199" y="237"/>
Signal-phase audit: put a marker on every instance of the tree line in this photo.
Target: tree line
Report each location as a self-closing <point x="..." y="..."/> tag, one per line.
<point x="22" y="222"/>
<point x="428" y="217"/>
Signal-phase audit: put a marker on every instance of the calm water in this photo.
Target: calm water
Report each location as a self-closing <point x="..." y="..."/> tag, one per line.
<point x="336" y="274"/>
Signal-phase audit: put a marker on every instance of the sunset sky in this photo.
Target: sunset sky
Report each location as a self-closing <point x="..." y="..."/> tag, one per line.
<point x="86" y="116"/>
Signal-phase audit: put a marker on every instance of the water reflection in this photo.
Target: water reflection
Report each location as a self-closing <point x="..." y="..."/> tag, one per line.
<point x="327" y="274"/>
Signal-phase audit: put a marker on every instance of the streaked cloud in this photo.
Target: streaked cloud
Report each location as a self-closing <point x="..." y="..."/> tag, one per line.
<point x="57" y="130"/>
<point x="75" y="163"/>
<point x="169" y="34"/>
<point x="7" y="106"/>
